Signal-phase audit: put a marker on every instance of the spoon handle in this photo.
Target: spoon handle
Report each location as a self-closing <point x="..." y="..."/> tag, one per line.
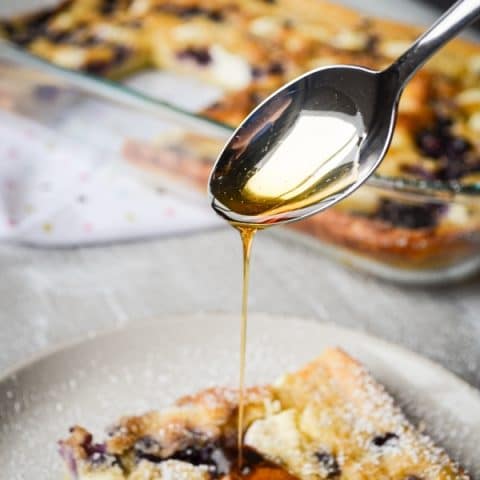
<point x="452" y="22"/>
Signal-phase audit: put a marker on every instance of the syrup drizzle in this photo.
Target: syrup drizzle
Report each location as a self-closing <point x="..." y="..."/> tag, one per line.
<point x="246" y="234"/>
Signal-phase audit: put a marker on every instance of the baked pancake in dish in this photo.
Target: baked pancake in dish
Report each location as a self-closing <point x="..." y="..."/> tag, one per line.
<point x="329" y="420"/>
<point x="397" y="229"/>
<point x="252" y="47"/>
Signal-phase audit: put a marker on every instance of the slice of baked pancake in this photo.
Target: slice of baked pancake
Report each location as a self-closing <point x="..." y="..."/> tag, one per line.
<point x="329" y="420"/>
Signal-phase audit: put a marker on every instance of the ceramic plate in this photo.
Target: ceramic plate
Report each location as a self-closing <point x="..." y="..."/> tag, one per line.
<point x="147" y="366"/>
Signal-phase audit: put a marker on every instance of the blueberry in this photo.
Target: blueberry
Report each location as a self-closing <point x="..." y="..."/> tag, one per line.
<point x="438" y="142"/>
<point x="458" y="146"/>
<point x="256" y="71"/>
<point x="443" y="125"/>
<point x="371" y="46"/>
<point x="456" y="168"/>
<point x="97" y="67"/>
<point x="94" y="448"/>
<point x="451" y="171"/>
<point x="384" y="439"/>
<point x="99" y="459"/>
<point x="120" y="54"/>
<point x="196" y="455"/>
<point x="198" y="54"/>
<point x="209" y="454"/>
<point x="215" y="15"/>
<point x="329" y="464"/>
<point x="276" y="68"/>
<point x="409" y="215"/>
<point x="451" y="151"/>
<point x="148" y="448"/>
<point x="108" y="7"/>
<point x="97" y="454"/>
<point x="430" y="143"/>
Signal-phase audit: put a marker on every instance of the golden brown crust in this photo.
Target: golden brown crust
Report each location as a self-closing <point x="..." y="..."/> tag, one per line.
<point x="209" y="414"/>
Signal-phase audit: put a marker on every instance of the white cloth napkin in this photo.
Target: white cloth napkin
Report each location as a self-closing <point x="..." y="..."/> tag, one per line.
<point x="57" y="192"/>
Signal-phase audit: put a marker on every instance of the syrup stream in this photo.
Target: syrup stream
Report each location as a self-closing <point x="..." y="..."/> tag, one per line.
<point x="246" y="234"/>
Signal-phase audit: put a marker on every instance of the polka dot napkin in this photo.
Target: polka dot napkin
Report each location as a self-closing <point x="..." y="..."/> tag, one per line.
<point x="56" y="192"/>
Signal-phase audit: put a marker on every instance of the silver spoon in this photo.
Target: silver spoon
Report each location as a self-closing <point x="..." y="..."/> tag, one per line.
<point x="320" y="137"/>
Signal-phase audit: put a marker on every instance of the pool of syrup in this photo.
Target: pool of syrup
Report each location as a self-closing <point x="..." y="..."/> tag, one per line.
<point x="253" y="466"/>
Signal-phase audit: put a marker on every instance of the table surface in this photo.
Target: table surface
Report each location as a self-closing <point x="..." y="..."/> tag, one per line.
<point x="54" y="296"/>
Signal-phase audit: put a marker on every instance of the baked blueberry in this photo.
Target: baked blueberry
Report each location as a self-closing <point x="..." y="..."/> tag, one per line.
<point x="148" y="448"/>
<point x="102" y="459"/>
<point x="198" y="54"/>
<point x="409" y="215"/>
<point x="209" y="454"/>
<point x="458" y="146"/>
<point x="108" y="7"/>
<point x="329" y="463"/>
<point x="97" y="67"/>
<point x="430" y="143"/>
<point x="388" y="438"/>
<point x="371" y="47"/>
<point x="120" y="54"/>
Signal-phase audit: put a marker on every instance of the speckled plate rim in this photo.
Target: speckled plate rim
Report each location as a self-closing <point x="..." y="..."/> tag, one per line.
<point x="62" y="347"/>
<point x="461" y="396"/>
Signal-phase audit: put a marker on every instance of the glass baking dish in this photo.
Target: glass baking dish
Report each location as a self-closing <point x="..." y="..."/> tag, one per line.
<point x="408" y="252"/>
<point x="169" y="146"/>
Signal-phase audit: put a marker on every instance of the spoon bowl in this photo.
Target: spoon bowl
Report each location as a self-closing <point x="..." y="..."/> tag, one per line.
<point x="307" y="146"/>
<point x="318" y="138"/>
